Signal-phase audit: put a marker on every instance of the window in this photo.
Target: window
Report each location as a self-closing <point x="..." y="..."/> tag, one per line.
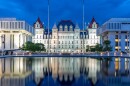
<point x="125" y="36"/>
<point x="116" y="36"/>
<point x="71" y="28"/>
<point x="116" y="44"/>
<point x="61" y="27"/>
<point x="125" y="43"/>
<point x="66" y="28"/>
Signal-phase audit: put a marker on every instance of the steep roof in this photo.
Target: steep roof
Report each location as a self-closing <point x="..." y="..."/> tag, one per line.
<point x="66" y="22"/>
<point x="39" y="21"/>
<point x="91" y="23"/>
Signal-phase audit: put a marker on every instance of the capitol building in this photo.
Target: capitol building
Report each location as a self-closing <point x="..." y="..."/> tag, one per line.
<point x="66" y="36"/>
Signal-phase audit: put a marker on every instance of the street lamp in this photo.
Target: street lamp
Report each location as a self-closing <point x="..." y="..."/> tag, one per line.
<point x="2" y="44"/>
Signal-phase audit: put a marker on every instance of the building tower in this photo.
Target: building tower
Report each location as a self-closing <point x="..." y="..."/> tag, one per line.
<point x="39" y="30"/>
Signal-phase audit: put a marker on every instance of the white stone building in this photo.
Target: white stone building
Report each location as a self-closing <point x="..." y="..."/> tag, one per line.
<point x="117" y="30"/>
<point x="14" y="33"/>
<point x="66" y="37"/>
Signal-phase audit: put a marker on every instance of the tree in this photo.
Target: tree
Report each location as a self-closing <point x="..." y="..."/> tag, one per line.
<point x="98" y="47"/>
<point x="92" y="49"/>
<point x="40" y="47"/>
<point x="87" y="48"/>
<point x="107" y="46"/>
<point x="29" y="46"/>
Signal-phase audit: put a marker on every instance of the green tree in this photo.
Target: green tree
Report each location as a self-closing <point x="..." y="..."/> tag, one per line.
<point x="87" y="48"/>
<point x="92" y="49"/>
<point x="29" y="46"/>
<point x="107" y="46"/>
<point x="98" y="47"/>
<point x="40" y="47"/>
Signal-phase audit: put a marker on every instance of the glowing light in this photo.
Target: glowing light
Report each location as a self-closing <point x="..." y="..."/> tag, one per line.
<point x="114" y="53"/>
<point x="23" y="54"/>
<point x="108" y="53"/>
<point x="121" y="54"/>
<point x="30" y="54"/>
<point x="16" y="53"/>
<point x="101" y="53"/>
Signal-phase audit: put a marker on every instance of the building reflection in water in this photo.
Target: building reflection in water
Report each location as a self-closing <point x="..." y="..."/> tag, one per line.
<point x="24" y="71"/>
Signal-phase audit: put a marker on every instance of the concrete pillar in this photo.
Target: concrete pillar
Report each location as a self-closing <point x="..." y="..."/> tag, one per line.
<point x="7" y="41"/>
<point x="122" y="42"/>
<point x="16" y="41"/>
<point x="111" y="37"/>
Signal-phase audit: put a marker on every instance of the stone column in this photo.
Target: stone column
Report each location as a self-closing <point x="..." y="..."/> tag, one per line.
<point x="122" y="42"/>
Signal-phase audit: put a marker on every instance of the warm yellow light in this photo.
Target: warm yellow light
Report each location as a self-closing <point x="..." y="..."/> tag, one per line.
<point x="101" y="54"/>
<point x="121" y="53"/>
<point x="117" y="40"/>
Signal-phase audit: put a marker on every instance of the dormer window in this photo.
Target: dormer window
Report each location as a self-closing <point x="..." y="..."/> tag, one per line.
<point x="37" y="26"/>
<point x="61" y="27"/>
<point x="66" y="27"/>
<point x="94" y="25"/>
<point x="71" y="28"/>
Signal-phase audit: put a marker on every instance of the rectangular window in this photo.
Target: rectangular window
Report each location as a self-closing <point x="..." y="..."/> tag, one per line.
<point x="13" y="41"/>
<point x="15" y="25"/>
<point x="125" y="43"/>
<point x="19" y="25"/>
<point x="125" y="36"/>
<point x="22" y="25"/>
<point x="116" y="44"/>
<point x="116" y="36"/>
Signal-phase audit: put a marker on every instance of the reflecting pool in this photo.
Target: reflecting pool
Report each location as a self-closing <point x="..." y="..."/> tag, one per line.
<point x="64" y="71"/>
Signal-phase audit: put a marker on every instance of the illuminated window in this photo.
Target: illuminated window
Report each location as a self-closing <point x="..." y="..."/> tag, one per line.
<point x="71" y="28"/>
<point x="66" y="28"/>
<point x="61" y="27"/>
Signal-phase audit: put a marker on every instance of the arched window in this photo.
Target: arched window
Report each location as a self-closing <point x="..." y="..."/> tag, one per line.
<point x="66" y="28"/>
<point x="61" y="27"/>
<point x="71" y="28"/>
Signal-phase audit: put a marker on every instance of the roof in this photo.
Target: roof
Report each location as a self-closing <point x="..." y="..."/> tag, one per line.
<point x="119" y="20"/>
<point x="54" y="27"/>
<point x="66" y="22"/>
<point x="39" y="21"/>
<point x="91" y="23"/>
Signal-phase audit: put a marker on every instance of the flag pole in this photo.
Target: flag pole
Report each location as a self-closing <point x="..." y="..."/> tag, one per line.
<point x="48" y="36"/>
<point x="48" y="25"/>
<point x="83" y="27"/>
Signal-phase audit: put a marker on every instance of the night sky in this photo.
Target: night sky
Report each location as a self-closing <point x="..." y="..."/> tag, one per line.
<point x="29" y="10"/>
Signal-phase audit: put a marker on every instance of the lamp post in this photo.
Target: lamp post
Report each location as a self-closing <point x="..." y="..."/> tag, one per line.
<point x="2" y="46"/>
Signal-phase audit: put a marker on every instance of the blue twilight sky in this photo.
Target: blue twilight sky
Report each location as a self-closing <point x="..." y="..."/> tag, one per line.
<point x="29" y="10"/>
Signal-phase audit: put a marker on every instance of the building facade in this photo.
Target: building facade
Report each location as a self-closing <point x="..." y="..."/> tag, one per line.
<point x="117" y="30"/>
<point x="66" y="37"/>
<point x="14" y="33"/>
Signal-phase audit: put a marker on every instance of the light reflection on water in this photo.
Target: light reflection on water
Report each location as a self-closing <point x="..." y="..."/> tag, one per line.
<point x="65" y="71"/>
